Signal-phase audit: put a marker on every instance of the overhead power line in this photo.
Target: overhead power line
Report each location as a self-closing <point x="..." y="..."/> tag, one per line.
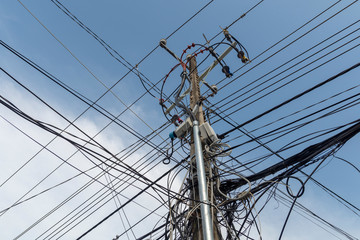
<point x="237" y="194"/>
<point x="293" y="98"/>
<point x="134" y="197"/>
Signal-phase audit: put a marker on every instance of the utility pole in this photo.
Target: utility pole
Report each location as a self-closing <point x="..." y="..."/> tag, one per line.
<point x="203" y="222"/>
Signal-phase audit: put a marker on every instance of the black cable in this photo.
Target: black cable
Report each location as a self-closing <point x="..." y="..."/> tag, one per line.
<point x="298" y="111"/>
<point x="67" y="222"/>
<point x="166" y="160"/>
<point x="91" y="152"/>
<point x="270" y="183"/>
<point x="338" y="197"/>
<point x="292" y="129"/>
<point x="37" y="122"/>
<point x="313" y="215"/>
<point x="108" y="47"/>
<point x="299" y="55"/>
<point x="303" y="157"/>
<point x="351" y="164"/>
<point x="108" y="200"/>
<point x="91" y="104"/>
<point x="331" y="194"/>
<point x="140" y="170"/>
<point x="117" y="203"/>
<point x="103" y="148"/>
<point x="42" y="71"/>
<point x="178" y="90"/>
<point x="292" y="99"/>
<point x="52" y="108"/>
<point x="134" y="197"/>
<point x="327" y="9"/>
<point x="301" y="191"/>
<point x="276" y="131"/>
<point x="292" y="80"/>
<point x="65" y="161"/>
<point x="239" y="18"/>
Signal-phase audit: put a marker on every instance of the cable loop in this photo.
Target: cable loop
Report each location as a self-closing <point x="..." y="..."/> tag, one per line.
<point x="301" y="190"/>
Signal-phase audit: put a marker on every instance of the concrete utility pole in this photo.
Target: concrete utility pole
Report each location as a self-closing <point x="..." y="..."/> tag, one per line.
<point x="203" y="222"/>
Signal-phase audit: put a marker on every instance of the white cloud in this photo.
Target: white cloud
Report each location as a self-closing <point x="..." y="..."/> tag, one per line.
<point x="16" y="149"/>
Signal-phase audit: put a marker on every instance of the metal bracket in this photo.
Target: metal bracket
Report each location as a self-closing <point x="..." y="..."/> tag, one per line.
<point x="203" y="75"/>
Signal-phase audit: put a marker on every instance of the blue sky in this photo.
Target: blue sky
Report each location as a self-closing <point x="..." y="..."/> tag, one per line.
<point x="134" y="28"/>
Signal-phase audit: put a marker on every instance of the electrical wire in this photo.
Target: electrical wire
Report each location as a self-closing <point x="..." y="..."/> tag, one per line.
<point x="278" y="42"/>
<point x="174" y="215"/>
<point x="292" y="59"/>
<point x="293" y="98"/>
<point x="134" y="197"/>
<point x="298" y="77"/>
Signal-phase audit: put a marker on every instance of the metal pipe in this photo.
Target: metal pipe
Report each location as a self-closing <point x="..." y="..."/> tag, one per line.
<point x="203" y="190"/>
